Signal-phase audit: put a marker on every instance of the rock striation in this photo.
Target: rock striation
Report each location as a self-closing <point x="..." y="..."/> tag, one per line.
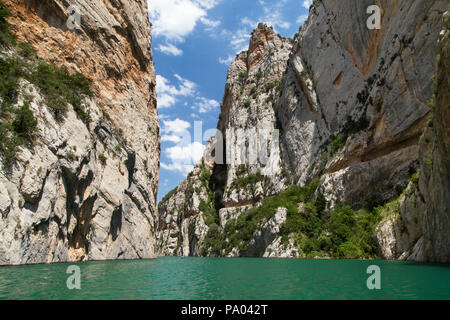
<point x="85" y="190"/>
<point x="350" y="105"/>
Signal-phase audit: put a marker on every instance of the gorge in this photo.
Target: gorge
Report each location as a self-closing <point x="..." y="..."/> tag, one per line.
<point x="361" y="170"/>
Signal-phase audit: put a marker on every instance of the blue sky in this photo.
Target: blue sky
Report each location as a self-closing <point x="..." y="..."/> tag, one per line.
<point x="194" y="42"/>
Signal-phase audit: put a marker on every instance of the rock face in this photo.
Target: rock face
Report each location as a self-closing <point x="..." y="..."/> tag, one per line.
<point x="239" y="178"/>
<point x="423" y="231"/>
<point x="85" y="191"/>
<point x="351" y="107"/>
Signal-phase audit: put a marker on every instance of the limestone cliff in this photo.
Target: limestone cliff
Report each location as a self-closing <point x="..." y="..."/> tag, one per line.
<point x="419" y="226"/>
<point x="84" y="187"/>
<point x="351" y="107"/>
<point x="253" y="87"/>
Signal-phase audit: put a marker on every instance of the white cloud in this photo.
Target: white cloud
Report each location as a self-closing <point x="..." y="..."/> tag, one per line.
<point x="188" y="154"/>
<point x="168" y="93"/>
<point x="183" y="157"/>
<point x="207" y="4"/>
<point x="302" y="19"/>
<point x="239" y="39"/>
<point x="204" y="105"/>
<point x="226" y="61"/>
<point x="307" y="3"/>
<point x="184" y="169"/>
<point x="273" y="15"/>
<point x="177" y="126"/>
<point x="211" y="24"/>
<point x="176" y="19"/>
<point x="170" y="49"/>
<point x="171" y="138"/>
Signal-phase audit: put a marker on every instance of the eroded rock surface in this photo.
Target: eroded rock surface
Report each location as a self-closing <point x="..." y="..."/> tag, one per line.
<point x="86" y="191"/>
<point x="351" y="107"/>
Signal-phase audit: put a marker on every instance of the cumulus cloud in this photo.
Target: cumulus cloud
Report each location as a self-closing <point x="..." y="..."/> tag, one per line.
<point x="239" y="39"/>
<point x="177" y="126"/>
<point x="176" y="19"/>
<point x="168" y="93"/>
<point x="183" y="157"/>
<point x="273" y="15"/>
<point x="211" y="24"/>
<point x="302" y="19"/>
<point x="187" y="154"/>
<point x="226" y="61"/>
<point x="307" y="3"/>
<point x="171" y="138"/>
<point x="182" y="168"/>
<point x="170" y="49"/>
<point x="204" y="105"/>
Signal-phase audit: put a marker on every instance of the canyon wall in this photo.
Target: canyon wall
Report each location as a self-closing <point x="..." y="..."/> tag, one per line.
<point x="85" y="187"/>
<point x="350" y="105"/>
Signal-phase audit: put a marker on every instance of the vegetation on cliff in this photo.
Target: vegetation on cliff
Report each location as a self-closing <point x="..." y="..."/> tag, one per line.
<point x="57" y="86"/>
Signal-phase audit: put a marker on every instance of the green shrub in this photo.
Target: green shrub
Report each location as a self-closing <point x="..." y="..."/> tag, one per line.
<point x="259" y="75"/>
<point x="71" y="156"/>
<point x="60" y="88"/>
<point x="26" y="50"/>
<point x="11" y="70"/>
<point x="167" y="197"/>
<point x="349" y="250"/>
<point x="102" y="158"/>
<point x="24" y="123"/>
<point x="415" y="177"/>
<point x="242" y="77"/>
<point x="270" y="86"/>
<point x="6" y="36"/>
<point x="16" y="129"/>
<point x="338" y="143"/>
<point x="8" y="143"/>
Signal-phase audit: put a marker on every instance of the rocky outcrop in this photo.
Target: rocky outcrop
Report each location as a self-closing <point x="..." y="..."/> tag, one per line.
<point x="360" y="123"/>
<point x="422" y="230"/>
<point x="85" y="190"/>
<point x="350" y="109"/>
<point x="183" y="213"/>
<point x="238" y="178"/>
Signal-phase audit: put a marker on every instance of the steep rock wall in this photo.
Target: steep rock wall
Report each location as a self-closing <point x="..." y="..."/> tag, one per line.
<point x="351" y="109"/>
<point x="85" y="191"/>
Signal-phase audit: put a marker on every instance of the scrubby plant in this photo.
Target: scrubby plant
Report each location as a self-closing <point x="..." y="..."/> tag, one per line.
<point x="24" y="123"/>
<point x="60" y="88"/>
<point x="6" y="36"/>
<point x="167" y="197"/>
<point x="338" y="143"/>
<point x="102" y="158"/>
<point x="57" y="86"/>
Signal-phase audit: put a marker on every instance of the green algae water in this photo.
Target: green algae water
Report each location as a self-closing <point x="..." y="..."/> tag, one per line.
<point x="227" y="279"/>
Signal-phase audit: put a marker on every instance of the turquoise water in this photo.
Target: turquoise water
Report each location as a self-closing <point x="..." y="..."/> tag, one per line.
<point x="220" y="278"/>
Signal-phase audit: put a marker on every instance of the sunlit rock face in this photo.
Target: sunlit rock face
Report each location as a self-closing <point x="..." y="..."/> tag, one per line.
<point x="86" y="191"/>
<point x="239" y="178"/>
<point x="425" y="206"/>
<point x="351" y="107"/>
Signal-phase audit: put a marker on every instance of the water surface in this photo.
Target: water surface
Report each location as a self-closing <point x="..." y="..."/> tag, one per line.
<point x="221" y="278"/>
